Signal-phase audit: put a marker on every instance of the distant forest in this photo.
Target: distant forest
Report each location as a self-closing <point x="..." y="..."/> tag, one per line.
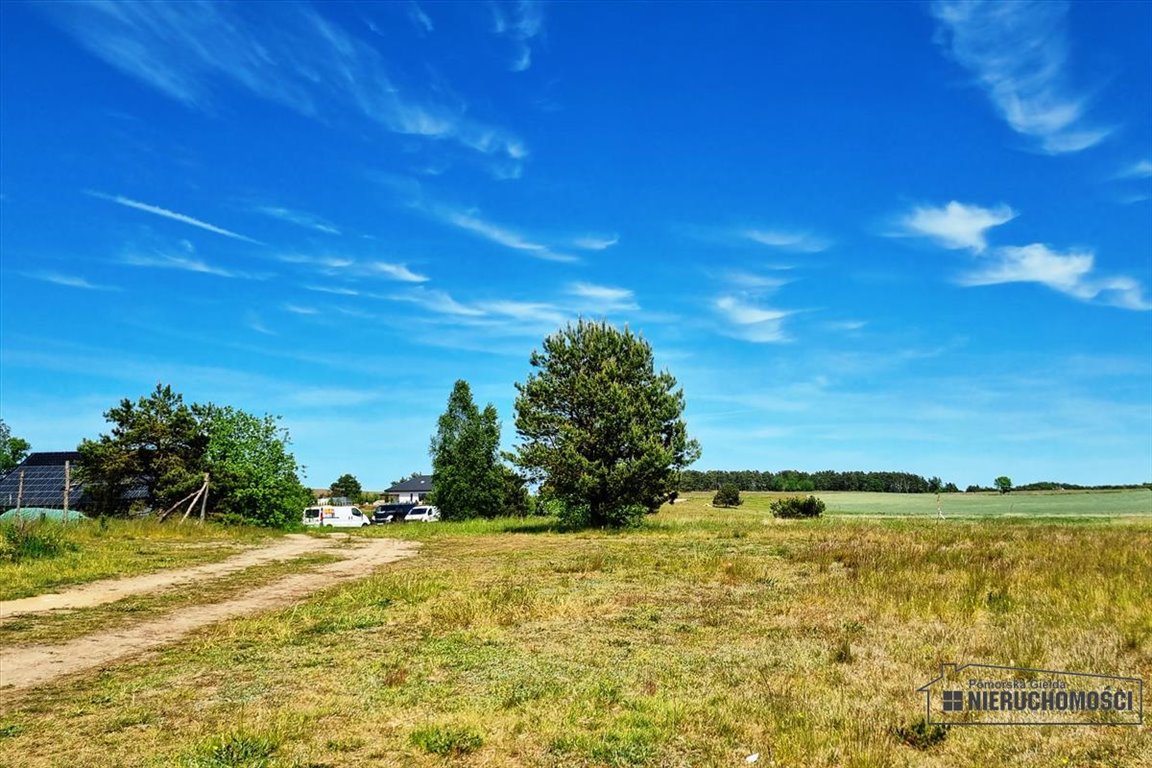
<point x="830" y="480"/>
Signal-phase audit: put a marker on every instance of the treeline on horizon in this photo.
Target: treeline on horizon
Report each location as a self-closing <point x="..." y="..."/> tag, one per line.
<point x="830" y="480"/>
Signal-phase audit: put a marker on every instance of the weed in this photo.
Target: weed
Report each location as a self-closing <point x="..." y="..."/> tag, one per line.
<point x="8" y="730"/>
<point x="346" y="744"/>
<point x="921" y="734"/>
<point x="446" y="740"/>
<point x="234" y="750"/>
<point x="842" y="653"/>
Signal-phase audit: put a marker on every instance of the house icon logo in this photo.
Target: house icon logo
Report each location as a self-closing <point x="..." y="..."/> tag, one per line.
<point x="988" y="694"/>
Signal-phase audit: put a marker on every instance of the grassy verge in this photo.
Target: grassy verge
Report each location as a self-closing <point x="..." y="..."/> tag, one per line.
<point x="682" y="643"/>
<point x="56" y="627"/>
<point x="115" y="548"/>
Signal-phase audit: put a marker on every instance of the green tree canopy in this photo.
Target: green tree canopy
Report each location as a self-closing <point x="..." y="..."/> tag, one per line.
<point x="347" y="485"/>
<point x="13" y="450"/>
<point x="254" y="477"/>
<point x="157" y="445"/>
<point x="163" y="447"/>
<point x="467" y="477"/>
<point x="600" y="427"/>
<point x="1004" y="484"/>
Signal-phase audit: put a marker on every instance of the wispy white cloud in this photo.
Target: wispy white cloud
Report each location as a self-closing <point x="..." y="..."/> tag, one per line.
<point x="253" y="321"/>
<point x="471" y="222"/>
<point x="846" y="325"/>
<point x="956" y="225"/>
<point x="521" y="22"/>
<point x="331" y="265"/>
<point x="1069" y="273"/>
<point x="1018" y="53"/>
<point x="296" y="58"/>
<point x="748" y="281"/>
<point x="419" y="18"/>
<point x="173" y="215"/>
<point x="398" y="272"/>
<point x="525" y="311"/>
<point x="185" y="261"/>
<point x="335" y="290"/>
<point x="596" y="242"/>
<point x="69" y="281"/>
<point x="438" y="301"/>
<point x="601" y="292"/>
<point x="296" y="309"/>
<point x="802" y="242"/>
<point x="750" y="322"/>
<point x="308" y="220"/>
<point x="602" y="299"/>
<point x="1141" y="169"/>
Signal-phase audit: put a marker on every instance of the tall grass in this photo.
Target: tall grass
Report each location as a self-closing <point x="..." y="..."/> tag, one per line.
<point x="24" y="540"/>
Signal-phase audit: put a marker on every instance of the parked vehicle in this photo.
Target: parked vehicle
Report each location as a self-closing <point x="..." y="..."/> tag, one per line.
<point x="422" y="515"/>
<point x="343" y="516"/>
<point x="384" y="514"/>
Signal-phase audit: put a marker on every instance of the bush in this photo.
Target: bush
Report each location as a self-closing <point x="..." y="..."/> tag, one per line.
<point x="797" y="507"/>
<point x="727" y="496"/>
<point x="32" y="540"/>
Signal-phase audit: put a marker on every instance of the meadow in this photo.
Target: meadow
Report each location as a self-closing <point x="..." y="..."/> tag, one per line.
<point x="701" y="638"/>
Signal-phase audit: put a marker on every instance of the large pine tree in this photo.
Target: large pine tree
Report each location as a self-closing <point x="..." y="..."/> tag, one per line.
<point x="601" y="429"/>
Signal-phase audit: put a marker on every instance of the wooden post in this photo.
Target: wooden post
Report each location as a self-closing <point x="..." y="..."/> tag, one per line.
<point x="67" y="487"/>
<point x="191" y="504"/>
<point x="20" y="492"/>
<point x="204" y="500"/>
<point x="173" y="508"/>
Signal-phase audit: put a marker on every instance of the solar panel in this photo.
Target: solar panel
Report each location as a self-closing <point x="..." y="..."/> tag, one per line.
<point x="43" y="482"/>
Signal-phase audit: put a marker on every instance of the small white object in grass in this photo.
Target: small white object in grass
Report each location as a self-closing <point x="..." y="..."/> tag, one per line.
<point x="752" y="758"/>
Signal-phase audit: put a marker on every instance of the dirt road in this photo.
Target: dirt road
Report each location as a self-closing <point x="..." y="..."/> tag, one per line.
<point x="26" y="667"/>
<point x="110" y="590"/>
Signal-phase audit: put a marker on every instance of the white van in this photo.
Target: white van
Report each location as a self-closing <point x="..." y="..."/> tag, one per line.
<point x="422" y="515"/>
<point x="345" y="516"/>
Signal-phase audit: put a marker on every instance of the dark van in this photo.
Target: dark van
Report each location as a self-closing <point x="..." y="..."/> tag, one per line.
<point x="390" y="513"/>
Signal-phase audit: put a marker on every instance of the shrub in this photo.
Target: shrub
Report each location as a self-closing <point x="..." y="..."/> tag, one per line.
<point x="727" y="496"/>
<point x="797" y="507"/>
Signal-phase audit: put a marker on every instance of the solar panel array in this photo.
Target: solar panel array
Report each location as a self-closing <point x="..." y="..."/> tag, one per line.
<point x="43" y="482"/>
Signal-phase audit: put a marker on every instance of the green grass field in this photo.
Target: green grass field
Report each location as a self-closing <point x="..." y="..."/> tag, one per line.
<point x="699" y="639"/>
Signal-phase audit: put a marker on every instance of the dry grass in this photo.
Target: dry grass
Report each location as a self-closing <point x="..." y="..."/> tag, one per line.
<point x="697" y="640"/>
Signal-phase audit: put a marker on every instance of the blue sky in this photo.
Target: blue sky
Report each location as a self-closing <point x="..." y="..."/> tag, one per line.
<point x="896" y="236"/>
